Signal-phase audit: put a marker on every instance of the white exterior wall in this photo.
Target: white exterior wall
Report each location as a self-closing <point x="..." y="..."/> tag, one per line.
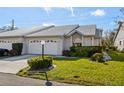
<point x="67" y="43"/>
<point x="87" y="41"/>
<point x="76" y="38"/>
<point x="117" y="43"/>
<point x="64" y="43"/>
<point x="120" y="37"/>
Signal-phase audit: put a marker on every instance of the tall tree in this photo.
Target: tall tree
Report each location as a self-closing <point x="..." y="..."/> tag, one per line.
<point x="9" y="27"/>
<point x="108" y="39"/>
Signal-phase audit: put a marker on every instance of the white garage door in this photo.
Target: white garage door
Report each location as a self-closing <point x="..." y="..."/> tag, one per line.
<point x="6" y="45"/>
<point x="50" y="47"/>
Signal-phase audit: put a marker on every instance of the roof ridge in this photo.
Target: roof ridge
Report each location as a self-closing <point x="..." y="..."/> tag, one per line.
<point x="72" y="30"/>
<point x="47" y="27"/>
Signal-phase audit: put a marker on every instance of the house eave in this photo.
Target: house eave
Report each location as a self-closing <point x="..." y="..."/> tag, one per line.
<point x="45" y="36"/>
<point x="120" y="23"/>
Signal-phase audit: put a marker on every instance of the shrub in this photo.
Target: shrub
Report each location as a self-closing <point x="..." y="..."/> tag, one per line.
<point x="96" y="49"/>
<point x="97" y="57"/>
<point x="115" y="55"/>
<point x="66" y="53"/>
<point x="113" y="48"/>
<point x="39" y="63"/>
<point x="84" y="51"/>
<point x="18" y="47"/>
<point x="13" y="52"/>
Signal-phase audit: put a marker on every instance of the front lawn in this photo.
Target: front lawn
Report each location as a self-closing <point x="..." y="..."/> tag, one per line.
<point x="116" y="56"/>
<point x="83" y="72"/>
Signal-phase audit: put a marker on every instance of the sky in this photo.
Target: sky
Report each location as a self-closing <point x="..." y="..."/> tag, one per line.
<point x="26" y="17"/>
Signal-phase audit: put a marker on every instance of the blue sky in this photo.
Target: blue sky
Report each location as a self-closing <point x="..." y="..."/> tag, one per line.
<point x="34" y="16"/>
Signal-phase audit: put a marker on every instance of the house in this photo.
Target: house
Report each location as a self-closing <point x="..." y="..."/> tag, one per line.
<point x="119" y="37"/>
<point x="57" y="38"/>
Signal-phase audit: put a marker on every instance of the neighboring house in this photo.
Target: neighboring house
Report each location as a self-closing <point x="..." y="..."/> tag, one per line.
<point x="119" y="37"/>
<point x="57" y="38"/>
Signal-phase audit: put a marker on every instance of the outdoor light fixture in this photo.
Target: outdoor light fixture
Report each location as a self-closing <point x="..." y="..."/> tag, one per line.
<point x="42" y="43"/>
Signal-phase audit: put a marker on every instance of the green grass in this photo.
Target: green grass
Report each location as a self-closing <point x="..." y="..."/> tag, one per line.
<point x="83" y="72"/>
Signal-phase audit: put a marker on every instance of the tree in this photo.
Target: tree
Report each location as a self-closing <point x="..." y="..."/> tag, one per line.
<point x="120" y="16"/>
<point x="108" y="39"/>
<point x="9" y="27"/>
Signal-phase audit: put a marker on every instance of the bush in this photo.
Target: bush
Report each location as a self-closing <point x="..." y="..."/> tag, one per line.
<point x="97" y="57"/>
<point x="18" y="47"/>
<point x="115" y="55"/>
<point x="39" y="63"/>
<point x="66" y="53"/>
<point x="113" y="48"/>
<point x="13" y="52"/>
<point x="84" y="51"/>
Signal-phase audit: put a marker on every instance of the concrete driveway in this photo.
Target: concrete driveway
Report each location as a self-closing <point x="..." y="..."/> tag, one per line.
<point x="10" y="66"/>
<point x="13" y="80"/>
<point x="14" y="64"/>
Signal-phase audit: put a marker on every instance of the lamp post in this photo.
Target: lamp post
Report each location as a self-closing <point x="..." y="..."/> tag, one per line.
<point x="47" y="83"/>
<point x="43" y="43"/>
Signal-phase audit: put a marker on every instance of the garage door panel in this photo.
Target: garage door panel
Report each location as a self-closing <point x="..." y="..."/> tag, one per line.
<point x="6" y="46"/>
<point x="34" y="48"/>
<point x="49" y="48"/>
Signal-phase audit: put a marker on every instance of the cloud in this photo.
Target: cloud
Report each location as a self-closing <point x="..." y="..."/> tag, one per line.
<point x="48" y="24"/>
<point x="98" y="12"/>
<point x="47" y="10"/>
<point x="71" y="10"/>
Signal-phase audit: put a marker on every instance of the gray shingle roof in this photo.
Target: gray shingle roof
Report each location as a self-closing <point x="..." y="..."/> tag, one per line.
<point x="87" y="29"/>
<point x="54" y="31"/>
<point x="23" y="32"/>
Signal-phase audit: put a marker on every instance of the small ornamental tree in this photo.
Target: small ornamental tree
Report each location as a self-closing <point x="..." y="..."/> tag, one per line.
<point x="18" y="47"/>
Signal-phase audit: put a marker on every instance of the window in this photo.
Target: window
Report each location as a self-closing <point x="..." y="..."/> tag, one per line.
<point x="120" y="42"/>
<point x="47" y="41"/>
<point x="77" y="44"/>
<point x="34" y="41"/>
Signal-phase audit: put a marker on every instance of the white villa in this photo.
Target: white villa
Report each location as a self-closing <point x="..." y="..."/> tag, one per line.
<point x="57" y="38"/>
<point x="119" y="37"/>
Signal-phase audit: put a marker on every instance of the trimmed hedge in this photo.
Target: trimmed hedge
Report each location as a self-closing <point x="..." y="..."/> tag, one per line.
<point x="40" y="63"/>
<point x="84" y="51"/>
<point x="18" y="47"/>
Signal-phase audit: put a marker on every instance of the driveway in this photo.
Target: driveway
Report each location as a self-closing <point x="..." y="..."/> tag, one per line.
<point x="13" y="80"/>
<point x="14" y="64"/>
<point x="10" y="66"/>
